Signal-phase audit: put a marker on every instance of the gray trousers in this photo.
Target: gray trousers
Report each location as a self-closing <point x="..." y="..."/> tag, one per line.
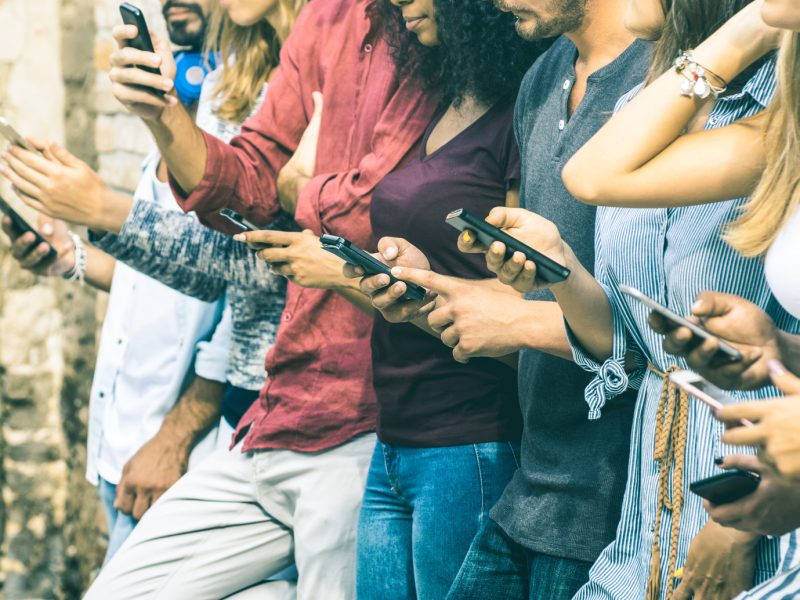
<point x="238" y="519"/>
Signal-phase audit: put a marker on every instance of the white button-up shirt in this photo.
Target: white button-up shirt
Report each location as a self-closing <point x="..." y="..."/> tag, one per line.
<point x="150" y="337"/>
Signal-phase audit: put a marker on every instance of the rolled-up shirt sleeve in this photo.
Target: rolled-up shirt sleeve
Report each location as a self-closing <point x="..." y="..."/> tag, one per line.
<point x="213" y="356"/>
<point x="611" y="379"/>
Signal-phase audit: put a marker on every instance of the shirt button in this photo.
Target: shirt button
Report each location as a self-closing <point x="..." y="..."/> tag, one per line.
<point x="367" y="48"/>
<point x="102" y="394"/>
<point x="287" y="316"/>
<point x="119" y="341"/>
<point x="561" y="124"/>
<point x="567" y="84"/>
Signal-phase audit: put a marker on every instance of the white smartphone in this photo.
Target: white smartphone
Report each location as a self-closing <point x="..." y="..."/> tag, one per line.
<point x="729" y="352"/>
<point x="705" y="391"/>
<point x="13" y="136"/>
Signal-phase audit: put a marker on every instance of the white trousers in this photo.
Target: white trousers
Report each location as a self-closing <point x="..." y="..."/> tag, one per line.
<point x="238" y="519"/>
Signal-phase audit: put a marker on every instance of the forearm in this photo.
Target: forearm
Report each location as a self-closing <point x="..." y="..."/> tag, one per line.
<point x="99" y="268"/>
<point x="642" y="171"/>
<point x="351" y="292"/>
<point x="182" y="146"/>
<point x="194" y="414"/>
<point x="587" y="309"/>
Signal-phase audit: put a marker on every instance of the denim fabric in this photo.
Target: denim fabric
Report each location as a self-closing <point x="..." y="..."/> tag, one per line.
<point x="120" y="525"/>
<point x="421" y="510"/>
<point x="499" y="568"/>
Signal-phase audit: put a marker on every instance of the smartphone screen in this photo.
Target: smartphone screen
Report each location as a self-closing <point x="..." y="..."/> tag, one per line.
<point x="705" y="391"/>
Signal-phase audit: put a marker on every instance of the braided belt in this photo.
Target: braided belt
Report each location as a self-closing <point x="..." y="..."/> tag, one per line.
<point x="670" y="451"/>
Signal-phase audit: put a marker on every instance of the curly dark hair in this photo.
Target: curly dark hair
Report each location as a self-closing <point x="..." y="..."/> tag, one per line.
<point x="479" y="54"/>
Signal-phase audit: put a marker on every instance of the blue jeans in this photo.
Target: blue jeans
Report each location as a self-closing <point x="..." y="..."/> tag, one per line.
<point x="421" y="510"/>
<point x="120" y="525"/>
<point x="499" y="568"/>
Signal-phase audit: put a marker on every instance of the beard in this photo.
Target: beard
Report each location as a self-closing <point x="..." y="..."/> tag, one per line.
<point x="180" y="33"/>
<point x="567" y="15"/>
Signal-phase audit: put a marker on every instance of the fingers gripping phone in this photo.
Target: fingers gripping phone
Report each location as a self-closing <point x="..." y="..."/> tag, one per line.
<point x="546" y="269"/>
<point x="726" y="487"/>
<point x="705" y="391"/>
<point x="21" y="226"/>
<point x="728" y="351"/>
<point x="372" y="266"/>
<point x="131" y="15"/>
<point x="13" y="136"/>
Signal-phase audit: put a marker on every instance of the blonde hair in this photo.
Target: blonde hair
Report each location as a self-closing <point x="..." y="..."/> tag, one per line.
<point x="777" y="196"/>
<point x="248" y="54"/>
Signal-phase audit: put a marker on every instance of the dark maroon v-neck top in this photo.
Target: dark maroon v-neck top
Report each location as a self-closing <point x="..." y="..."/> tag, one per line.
<point x="425" y="397"/>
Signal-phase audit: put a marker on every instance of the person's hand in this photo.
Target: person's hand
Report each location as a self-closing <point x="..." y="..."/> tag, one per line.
<point x="57" y="184"/>
<point x="33" y="256"/>
<point x="130" y="84"/>
<point x="772" y="509"/>
<point x="388" y="299"/>
<point x="472" y="319"/>
<point x="151" y="472"/>
<point x="777" y="424"/>
<point x="303" y="164"/>
<point x="740" y="323"/>
<point x="720" y="564"/>
<point x="530" y="229"/>
<point x="299" y="257"/>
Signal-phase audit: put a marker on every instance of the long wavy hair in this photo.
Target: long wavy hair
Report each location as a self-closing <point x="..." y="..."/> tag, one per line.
<point x="249" y="55"/>
<point x="777" y="196"/>
<point x="687" y="24"/>
<point x="479" y="53"/>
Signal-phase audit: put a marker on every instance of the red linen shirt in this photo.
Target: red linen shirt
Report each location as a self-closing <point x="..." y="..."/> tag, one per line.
<point x="319" y="391"/>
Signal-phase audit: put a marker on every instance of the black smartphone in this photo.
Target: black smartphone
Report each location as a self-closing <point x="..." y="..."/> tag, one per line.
<point x="21" y="226"/>
<point x="371" y="265"/>
<point x="726" y="487"/>
<point x="238" y="220"/>
<point x="131" y="15"/>
<point x="729" y="352"/>
<point x="546" y="269"/>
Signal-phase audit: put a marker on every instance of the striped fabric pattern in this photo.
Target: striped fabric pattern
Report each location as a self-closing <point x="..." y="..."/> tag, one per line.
<point x="671" y="255"/>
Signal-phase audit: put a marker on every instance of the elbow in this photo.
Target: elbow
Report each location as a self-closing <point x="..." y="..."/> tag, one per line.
<point x="583" y="183"/>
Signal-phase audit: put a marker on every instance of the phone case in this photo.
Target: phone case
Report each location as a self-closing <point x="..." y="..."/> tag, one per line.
<point x="131" y="15"/>
<point x="360" y="258"/>
<point x="726" y="487"/>
<point x="22" y="226"/>
<point x="547" y="269"/>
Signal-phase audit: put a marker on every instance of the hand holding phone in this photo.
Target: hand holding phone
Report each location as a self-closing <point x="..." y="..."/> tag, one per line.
<point x="728" y="352"/>
<point x="131" y="15"/>
<point x="546" y="269"/>
<point x="358" y="257"/>
<point x="20" y="227"/>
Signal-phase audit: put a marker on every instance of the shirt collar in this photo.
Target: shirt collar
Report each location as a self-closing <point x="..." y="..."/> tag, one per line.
<point x="761" y="86"/>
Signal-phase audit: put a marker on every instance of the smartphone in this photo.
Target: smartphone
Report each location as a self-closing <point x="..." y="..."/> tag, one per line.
<point x="546" y="269"/>
<point x="238" y="220"/>
<point x="13" y="136"/>
<point x="371" y="265"/>
<point x="726" y="487"/>
<point x="705" y="391"/>
<point x="131" y="15"/>
<point x="21" y="226"/>
<point x="729" y="352"/>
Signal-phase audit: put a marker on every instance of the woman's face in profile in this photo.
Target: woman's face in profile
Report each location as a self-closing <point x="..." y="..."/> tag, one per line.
<point x="420" y="18"/>
<point x="783" y="14"/>
<point x="645" y="18"/>
<point x="248" y="12"/>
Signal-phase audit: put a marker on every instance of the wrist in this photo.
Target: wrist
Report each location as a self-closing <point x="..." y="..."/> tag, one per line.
<point x="112" y="213"/>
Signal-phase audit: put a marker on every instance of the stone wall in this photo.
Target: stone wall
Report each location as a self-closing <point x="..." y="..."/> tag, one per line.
<point x="54" y="85"/>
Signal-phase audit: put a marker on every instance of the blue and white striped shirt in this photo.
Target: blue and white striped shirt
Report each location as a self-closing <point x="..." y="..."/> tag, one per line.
<point x="671" y="255"/>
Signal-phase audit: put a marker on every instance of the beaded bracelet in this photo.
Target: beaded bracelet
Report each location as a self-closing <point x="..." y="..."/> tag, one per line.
<point x="78" y="270"/>
<point x="697" y="84"/>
